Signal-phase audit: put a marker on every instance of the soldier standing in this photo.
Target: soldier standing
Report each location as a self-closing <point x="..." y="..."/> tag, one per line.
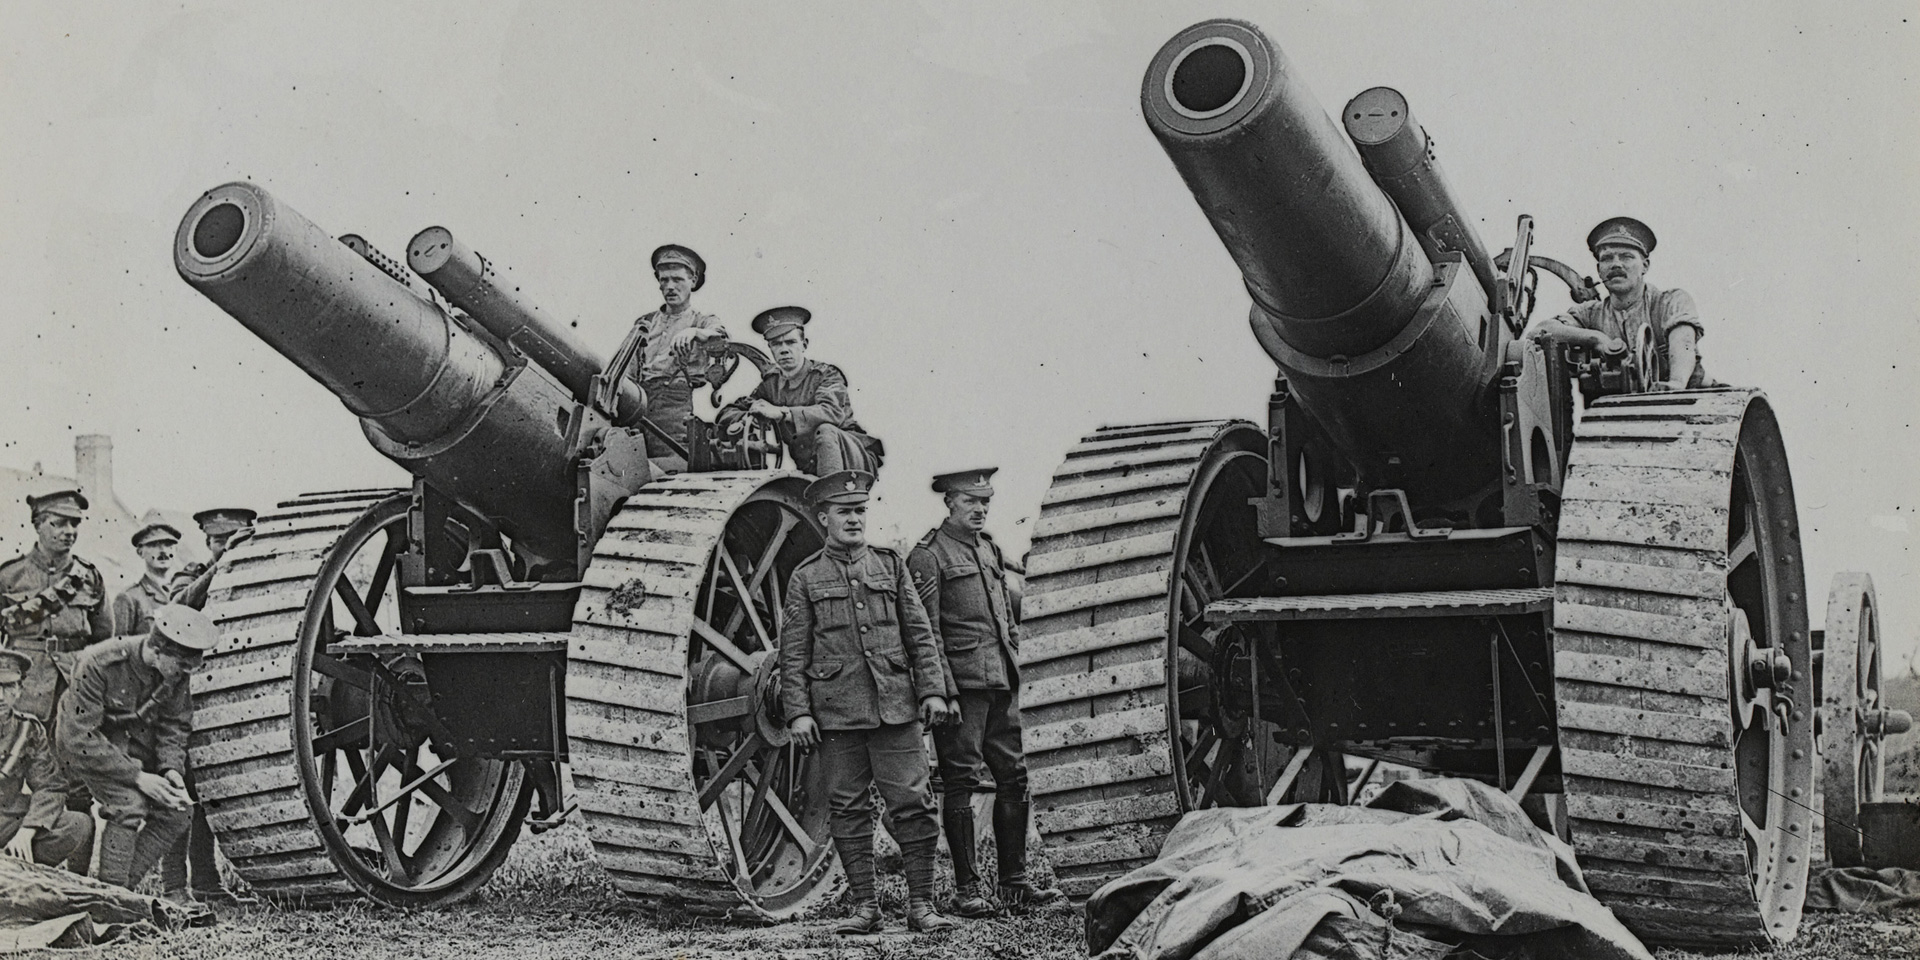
<point x="189" y="870"/>
<point x="859" y="674"/>
<point x="38" y="827"/>
<point x="55" y="604"/>
<point x="133" y="608"/>
<point x="961" y="576"/>
<point x="123" y="731"/>
<point x="666" y="340"/>
<point x="806" y="401"/>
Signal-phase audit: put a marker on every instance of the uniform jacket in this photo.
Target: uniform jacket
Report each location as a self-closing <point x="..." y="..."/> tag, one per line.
<point x="26" y="760"/>
<point x="657" y="330"/>
<point x="856" y="650"/>
<point x="815" y="394"/>
<point x="1658" y="311"/>
<point x="133" y="608"/>
<point x="80" y="621"/>
<point x="120" y="717"/>
<point x="962" y="581"/>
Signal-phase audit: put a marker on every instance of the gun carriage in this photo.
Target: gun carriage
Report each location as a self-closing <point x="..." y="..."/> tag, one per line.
<point x="404" y="672"/>
<point x="1424" y="558"/>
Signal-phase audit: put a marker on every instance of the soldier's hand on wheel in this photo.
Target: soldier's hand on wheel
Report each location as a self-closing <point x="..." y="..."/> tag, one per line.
<point x="162" y="791"/>
<point x="766" y="411"/>
<point x="933" y="711"/>
<point x="806" y="733"/>
<point x="21" y="846"/>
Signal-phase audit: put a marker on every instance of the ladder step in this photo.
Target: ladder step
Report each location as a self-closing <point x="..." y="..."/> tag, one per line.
<point x="451" y="643"/>
<point x="1372" y="606"/>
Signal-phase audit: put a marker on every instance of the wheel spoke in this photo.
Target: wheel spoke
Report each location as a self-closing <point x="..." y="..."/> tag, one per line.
<point x="382" y="572"/>
<point x="722" y="645"/>
<point x="365" y="791"/>
<point x="390" y="851"/>
<point x="1229" y="755"/>
<point x="746" y="599"/>
<point x="363" y="622"/>
<point x="771" y="551"/>
<point x="466" y="816"/>
<point x="714" y="711"/>
<point x="343" y="671"/>
<point x="347" y="735"/>
<point x="730" y="770"/>
<point x="780" y="812"/>
<point x="1742" y="550"/>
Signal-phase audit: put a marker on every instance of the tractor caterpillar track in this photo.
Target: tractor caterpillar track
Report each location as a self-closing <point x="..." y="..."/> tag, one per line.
<point x="1094" y="667"/>
<point x="1678" y="512"/>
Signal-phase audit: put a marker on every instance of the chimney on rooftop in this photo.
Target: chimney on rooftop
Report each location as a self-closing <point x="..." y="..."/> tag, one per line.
<point x="93" y="466"/>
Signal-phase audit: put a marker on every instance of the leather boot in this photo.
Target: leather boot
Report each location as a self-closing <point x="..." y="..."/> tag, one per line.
<point x="923" y="918"/>
<point x="207" y="885"/>
<point x="116" y="854"/>
<point x="1010" y="845"/>
<point x="865" y="919"/>
<point x="919" y="856"/>
<point x="856" y="857"/>
<point x="956" y="817"/>
<point x="173" y="873"/>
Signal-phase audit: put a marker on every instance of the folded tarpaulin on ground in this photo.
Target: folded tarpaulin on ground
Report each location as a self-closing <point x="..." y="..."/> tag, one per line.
<point x="1427" y="866"/>
<point x="1863" y="889"/>
<point x="49" y="907"/>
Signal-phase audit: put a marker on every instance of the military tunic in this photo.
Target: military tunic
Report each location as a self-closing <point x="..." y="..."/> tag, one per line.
<point x="133" y="608"/>
<point x="858" y="655"/>
<point x="819" y="430"/>
<point x="27" y="763"/>
<point x="52" y="642"/>
<point x="656" y="369"/>
<point x="121" y="718"/>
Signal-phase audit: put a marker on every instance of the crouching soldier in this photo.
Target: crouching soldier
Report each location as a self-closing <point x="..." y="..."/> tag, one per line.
<point x="962" y="580"/>
<point x="859" y="674"/>
<point x="123" y="732"/>
<point x="38" y="828"/>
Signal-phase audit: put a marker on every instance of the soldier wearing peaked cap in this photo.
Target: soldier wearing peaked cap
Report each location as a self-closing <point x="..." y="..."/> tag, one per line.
<point x="34" y="822"/>
<point x="962" y="579"/>
<point x="661" y="352"/>
<point x="222" y="527"/>
<point x="123" y="731"/>
<point x="806" y="401"/>
<point x="1634" y="315"/>
<point x="53" y="604"/>
<point x="133" y="608"/>
<point x="859" y="674"/>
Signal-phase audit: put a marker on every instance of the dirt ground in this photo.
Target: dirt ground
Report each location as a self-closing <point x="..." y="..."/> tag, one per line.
<point x="551" y="901"/>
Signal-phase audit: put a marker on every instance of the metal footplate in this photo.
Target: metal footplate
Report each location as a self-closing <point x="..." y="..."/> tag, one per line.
<point x="451" y="643"/>
<point x="1377" y="606"/>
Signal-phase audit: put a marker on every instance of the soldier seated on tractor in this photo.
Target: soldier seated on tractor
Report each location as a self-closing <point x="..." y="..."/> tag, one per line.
<point x="1659" y="328"/>
<point x="805" y="401"/>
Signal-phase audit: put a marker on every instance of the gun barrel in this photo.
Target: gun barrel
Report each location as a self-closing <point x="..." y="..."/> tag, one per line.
<point x="431" y="396"/>
<point x="1401" y="158"/>
<point x="1324" y="254"/>
<point x="475" y="284"/>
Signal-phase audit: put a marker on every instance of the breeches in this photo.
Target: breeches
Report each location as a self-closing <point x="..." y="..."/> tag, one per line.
<point x="53" y="844"/>
<point x="890" y="757"/>
<point x="834" y="449"/>
<point x="985" y="741"/>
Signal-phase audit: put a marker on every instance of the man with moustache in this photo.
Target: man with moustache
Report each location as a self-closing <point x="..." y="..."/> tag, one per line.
<point x="53" y="604"/>
<point x="133" y="608"/>
<point x="961" y="576"/>
<point x="1634" y="312"/>
<point x="860" y="674"/>
<point x="805" y="401"/>
<point x="663" y="348"/>
<point x="123" y="731"/>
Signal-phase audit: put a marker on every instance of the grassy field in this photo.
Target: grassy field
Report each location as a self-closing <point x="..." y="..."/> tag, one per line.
<point x="551" y="901"/>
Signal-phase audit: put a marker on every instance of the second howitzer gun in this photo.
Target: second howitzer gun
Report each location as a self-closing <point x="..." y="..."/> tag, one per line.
<point x="1421" y="559"/>
<point x="403" y="672"/>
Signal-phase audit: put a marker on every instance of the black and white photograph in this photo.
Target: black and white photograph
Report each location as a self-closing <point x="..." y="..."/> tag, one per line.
<point x="937" y="480"/>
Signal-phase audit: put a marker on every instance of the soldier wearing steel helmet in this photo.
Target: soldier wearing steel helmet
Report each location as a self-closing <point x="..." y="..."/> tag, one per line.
<point x="662" y="348"/>
<point x="53" y="604"/>
<point x="962" y="579"/>
<point x="133" y="608"/>
<point x="1634" y="312"/>
<point x="806" y="402"/>
<point x="34" y="821"/>
<point x="123" y="731"/>
<point x="859" y="675"/>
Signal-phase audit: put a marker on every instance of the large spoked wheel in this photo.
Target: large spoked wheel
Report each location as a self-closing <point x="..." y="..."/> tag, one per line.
<point x="692" y="793"/>
<point x="1856" y="719"/>
<point x="1684" y="668"/>
<point x="322" y="776"/>
<point x="1143" y="526"/>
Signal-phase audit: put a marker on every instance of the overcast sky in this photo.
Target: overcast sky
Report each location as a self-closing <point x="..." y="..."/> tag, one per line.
<point x="995" y="249"/>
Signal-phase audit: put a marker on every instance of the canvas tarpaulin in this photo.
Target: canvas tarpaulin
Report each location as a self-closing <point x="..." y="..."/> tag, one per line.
<point x="1428" y="866"/>
<point x="49" y="907"/>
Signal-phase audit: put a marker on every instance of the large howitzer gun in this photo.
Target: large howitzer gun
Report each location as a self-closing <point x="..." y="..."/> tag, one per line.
<point x="1423" y="558"/>
<point x="404" y="672"/>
